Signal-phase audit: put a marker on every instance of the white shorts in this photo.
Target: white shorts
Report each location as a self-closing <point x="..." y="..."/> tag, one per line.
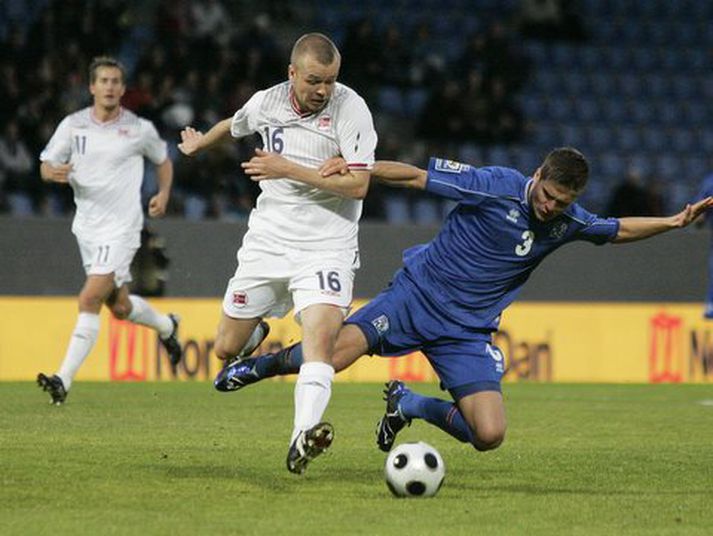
<point x="269" y="281"/>
<point x="110" y="256"/>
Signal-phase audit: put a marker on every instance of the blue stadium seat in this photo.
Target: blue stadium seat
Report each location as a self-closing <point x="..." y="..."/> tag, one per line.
<point x="601" y="138"/>
<point x="611" y="164"/>
<point x="705" y="139"/>
<point x="695" y="168"/>
<point x="642" y="111"/>
<point x="654" y="139"/>
<point x="498" y="155"/>
<point x="614" y="110"/>
<point x="683" y="140"/>
<point x="471" y="153"/>
<point x="669" y="112"/>
<point x="643" y="59"/>
<point x="414" y="101"/>
<point x="390" y="100"/>
<point x="561" y="109"/>
<point x="602" y="83"/>
<point x="627" y="139"/>
<point x="630" y="85"/>
<point x="668" y="167"/>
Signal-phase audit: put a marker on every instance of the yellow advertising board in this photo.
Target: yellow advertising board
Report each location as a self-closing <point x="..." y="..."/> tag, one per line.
<point x="560" y="342"/>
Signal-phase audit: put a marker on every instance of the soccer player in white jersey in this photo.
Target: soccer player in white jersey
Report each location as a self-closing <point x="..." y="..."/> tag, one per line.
<point x="99" y="151"/>
<point x="301" y="247"/>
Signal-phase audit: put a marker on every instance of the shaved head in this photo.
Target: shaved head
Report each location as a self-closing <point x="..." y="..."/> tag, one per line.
<point x="316" y="45"/>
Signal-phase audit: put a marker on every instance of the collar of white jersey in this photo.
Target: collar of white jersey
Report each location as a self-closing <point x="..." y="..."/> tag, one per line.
<point x="296" y="107"/>
<point x="96" y="121"/>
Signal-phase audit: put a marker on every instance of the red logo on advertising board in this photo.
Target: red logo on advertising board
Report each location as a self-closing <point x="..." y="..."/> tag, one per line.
<point x="128" y="351"/>
<point x="666" y="349"/>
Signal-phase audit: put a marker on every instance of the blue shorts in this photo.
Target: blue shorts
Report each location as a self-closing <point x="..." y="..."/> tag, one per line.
<point x="401" y="320"/>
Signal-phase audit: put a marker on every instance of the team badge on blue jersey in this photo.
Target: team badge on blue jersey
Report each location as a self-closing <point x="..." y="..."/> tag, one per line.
<point x="558" y="231"/>
<point x="513" y="215"/>
<point x="381" y="323"/>
<point x="450" y="166"/>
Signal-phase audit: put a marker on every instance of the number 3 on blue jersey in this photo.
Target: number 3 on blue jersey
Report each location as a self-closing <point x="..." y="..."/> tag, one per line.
<point x="523" y="249"/>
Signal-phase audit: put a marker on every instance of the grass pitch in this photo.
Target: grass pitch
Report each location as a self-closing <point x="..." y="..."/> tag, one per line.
<point x="180" y="458"/>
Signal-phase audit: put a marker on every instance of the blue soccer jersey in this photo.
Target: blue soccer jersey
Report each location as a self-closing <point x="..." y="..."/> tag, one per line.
<point x="490" y="243"/>
<point x="705" y="191"/>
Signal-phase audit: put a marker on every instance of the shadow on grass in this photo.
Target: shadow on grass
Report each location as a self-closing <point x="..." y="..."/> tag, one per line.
<point x="274" y="478"/>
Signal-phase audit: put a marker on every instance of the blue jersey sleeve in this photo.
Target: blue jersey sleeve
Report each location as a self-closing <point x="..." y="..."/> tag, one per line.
<point x="592" y="228"/>
<point x="470" y="185"/>
<point x="706" y="188"/>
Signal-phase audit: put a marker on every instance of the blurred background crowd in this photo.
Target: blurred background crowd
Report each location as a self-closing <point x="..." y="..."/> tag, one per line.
<point x="481" y="81"/>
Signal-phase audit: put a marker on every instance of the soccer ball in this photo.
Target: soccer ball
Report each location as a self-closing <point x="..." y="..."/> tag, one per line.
<point x="414" y="470"/>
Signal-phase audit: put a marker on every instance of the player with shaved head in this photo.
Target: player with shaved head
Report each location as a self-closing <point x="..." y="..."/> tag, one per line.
<point x="301" y="250"/>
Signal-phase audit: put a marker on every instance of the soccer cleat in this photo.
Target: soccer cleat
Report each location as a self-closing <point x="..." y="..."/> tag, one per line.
<point x="308" y="445"/>
<point x="54" y="386"/>
<point x="236" y="375"/>
<point x="258" y="335"/>
<point x="171" y="344"/>
<point x="393" y="421"/>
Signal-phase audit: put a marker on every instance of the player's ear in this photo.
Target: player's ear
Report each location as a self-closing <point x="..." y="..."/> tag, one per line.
<point x="290" y="72"/>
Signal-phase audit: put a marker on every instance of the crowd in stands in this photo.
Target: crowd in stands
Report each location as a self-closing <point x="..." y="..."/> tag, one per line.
<point x="194" y="63"/>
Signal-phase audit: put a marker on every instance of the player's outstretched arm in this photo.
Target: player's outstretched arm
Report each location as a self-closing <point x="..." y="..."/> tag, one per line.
<point x="632" y="229"/>
<point x="400" y="175"/>
<point x="266" y="166"/>
<point x="55" y="173"/>
<point x="194" y="141"/>
<point x="164" y="176"/>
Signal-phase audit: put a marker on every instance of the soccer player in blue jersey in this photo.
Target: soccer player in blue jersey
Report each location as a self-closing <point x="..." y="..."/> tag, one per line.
<point x="448" y="298"/>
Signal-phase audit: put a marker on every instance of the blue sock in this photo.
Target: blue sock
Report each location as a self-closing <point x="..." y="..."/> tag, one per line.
<point x="438" y="412"/>
<point x="286" y="361"/>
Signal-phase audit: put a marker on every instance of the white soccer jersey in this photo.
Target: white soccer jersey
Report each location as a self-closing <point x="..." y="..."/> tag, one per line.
<point x="107" y="170"/>
<point x="291" y="212"/>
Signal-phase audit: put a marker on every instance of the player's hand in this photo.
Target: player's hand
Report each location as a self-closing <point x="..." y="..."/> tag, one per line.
<point x="158" y="204"/>
<point x="692" y="212"/>
<point x="334" y="165"/>
<point x="60" y="173"/>
<point x="190" y="141"/>
<point x="266" y="165"/>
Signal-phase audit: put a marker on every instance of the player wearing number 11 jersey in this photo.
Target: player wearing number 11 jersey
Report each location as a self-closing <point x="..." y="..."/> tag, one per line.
<point x="300" y="250"/>
<point x="99" y="151"/>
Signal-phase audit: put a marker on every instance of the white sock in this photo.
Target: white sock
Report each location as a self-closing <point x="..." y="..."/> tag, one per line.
<point x="142" y="313"/>
<point x="312" y="392"/>
<point x="80" y="344"/>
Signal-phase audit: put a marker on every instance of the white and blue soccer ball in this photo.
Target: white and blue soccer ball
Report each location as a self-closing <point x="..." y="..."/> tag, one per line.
<point x="414" y="470"/>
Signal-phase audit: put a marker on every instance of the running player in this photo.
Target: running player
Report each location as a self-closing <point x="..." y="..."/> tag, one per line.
<point x="99" y="151"/>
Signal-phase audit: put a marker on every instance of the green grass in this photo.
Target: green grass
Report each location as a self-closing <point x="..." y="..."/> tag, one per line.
<point x="179" y="458"/>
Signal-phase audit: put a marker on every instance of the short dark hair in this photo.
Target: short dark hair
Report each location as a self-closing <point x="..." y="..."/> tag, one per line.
<point x="105" y="61"/>
<point x="318" y="45"/>
<point x="566" y="166"/>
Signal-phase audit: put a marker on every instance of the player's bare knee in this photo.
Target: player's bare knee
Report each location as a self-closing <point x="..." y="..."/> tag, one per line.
<point x="120" y="311"/>
<point x="488" y="437"/>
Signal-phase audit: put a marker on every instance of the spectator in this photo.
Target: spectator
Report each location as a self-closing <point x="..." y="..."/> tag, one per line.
<point x="20" y="188"/>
